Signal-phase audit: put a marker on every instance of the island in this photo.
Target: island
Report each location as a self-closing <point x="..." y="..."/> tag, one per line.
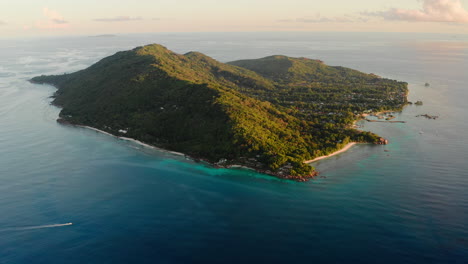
<point x="271" y="114"/>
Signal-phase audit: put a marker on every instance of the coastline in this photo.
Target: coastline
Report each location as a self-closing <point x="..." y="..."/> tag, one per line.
<point x="133" y="140"/>
<point x="233" y="166"/>
<point x="347" y="147"/>
<point x="280" y="174"/>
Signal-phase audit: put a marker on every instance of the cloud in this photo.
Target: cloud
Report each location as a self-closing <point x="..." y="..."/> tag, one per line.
<point x="53" y="16"/>
<point x="53" y="20"/>
<point x="450" y="11"/>
<point x="118" y="19"/>
<point x="285" y="20"/>
<point x="343" y="19"/>
<point x="321" y="19"/>
<point x="59" y="21"/>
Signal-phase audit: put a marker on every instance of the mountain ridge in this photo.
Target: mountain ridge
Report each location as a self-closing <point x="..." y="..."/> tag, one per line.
<point x="206" y="109"/>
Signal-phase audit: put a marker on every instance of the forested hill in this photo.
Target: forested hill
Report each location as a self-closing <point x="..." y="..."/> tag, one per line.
<point x="219" y="112"/>
<point x="312" y="85"/>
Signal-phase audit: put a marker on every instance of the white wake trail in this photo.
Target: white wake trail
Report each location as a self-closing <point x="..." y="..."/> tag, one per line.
<point x="33" y="227"/>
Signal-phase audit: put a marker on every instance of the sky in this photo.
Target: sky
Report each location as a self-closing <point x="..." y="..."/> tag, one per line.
<point x="25" y="18"/>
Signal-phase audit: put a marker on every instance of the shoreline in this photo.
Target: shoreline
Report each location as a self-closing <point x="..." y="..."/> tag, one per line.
<point x="214" y="165"/>
<point x="133" y="140"/>
<point x="346" y="148"/>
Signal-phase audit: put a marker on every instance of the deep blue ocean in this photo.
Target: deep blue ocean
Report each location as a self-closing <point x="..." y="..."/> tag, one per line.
<point x="129" y="204"/>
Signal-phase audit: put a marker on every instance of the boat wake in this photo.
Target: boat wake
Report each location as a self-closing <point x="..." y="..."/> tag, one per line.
<point x="33" y="227"/>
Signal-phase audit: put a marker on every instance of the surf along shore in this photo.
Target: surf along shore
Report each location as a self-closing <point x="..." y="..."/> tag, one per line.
<point x="344" y="149"/>
<point x="214" y="165"/>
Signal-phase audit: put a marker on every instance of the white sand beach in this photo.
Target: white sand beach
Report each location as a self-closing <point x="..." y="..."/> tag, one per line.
<point x="348" y="146"/>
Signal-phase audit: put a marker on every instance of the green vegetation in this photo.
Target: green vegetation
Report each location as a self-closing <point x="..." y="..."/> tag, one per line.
<point x="313" y="87"/>
<point x="270" y="114"/>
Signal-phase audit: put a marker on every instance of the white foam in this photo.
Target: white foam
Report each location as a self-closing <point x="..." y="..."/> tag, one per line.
<point x="34" y="227"/>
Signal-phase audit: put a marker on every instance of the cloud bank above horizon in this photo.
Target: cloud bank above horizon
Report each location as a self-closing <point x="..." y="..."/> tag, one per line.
<point x="53" y="20"/>
<point x="118" y="19"/>
<point x="318" y="18"/>
<point x="447" y="11"/>
<point x="93" y="18"/>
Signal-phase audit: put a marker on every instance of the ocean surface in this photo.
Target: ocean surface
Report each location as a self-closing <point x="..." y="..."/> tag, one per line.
<point x="130" y="204"/>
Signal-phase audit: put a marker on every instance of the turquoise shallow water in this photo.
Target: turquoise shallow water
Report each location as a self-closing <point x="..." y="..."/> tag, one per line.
<point x="129" y="204"/>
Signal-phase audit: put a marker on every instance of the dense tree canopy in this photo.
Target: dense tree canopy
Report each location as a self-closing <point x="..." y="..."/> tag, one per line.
<point x="270" y="114"/>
